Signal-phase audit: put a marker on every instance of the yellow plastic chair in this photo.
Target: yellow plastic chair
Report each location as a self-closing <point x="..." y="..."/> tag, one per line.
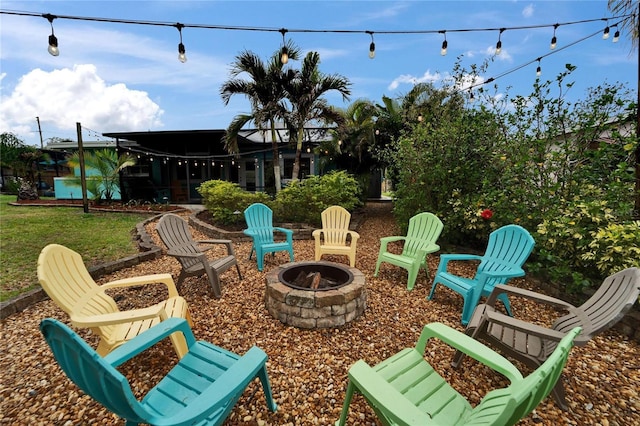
<point x="67" y="281"/>
<point x="335" y="236"/>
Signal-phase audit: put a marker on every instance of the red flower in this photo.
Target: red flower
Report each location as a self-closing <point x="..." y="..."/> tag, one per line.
<point x="486" y="214"/>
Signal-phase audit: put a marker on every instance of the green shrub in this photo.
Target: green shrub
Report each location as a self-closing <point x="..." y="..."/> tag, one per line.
<point x="615" y="247"/>
<point x="225" y="199"/>
<point x="303" y="201"/>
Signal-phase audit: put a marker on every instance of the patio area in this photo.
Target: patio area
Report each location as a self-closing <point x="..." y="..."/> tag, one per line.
<point x="308" y="368"/>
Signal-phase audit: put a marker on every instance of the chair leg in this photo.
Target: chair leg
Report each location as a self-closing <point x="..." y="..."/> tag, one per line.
<point x="505" y="301"/>
<point x="411" y="278"/>
<point x="345" y="406"/>
<point x="375" y="274"/>
<point x="433" y="289"/>
<point x="266" y="388"/>
<point x="239" y="273"/>
<point x="558" y="394"/>
<point x="214" y="281"/>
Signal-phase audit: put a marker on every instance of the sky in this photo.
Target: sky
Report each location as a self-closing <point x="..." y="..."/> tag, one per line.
<point x="115" y="77"/>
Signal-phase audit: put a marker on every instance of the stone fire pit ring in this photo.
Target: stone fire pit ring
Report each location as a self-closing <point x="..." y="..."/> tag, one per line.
<point x="304" y="308"/>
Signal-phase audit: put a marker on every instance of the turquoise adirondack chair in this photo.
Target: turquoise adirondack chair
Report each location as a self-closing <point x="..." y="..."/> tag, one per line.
<point x="422" y="234"/>
<point x="260" y="227"/>
<point x="507" y="250"/>
<point x="202" y="388"/>
<point x="405" y="390"/>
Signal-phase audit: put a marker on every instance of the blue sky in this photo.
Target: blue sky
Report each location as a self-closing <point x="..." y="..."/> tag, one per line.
<point x="114" y="77"/>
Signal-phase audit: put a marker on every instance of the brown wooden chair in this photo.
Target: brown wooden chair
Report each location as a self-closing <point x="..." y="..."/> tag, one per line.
<point x="174" y="233"/>
<point x="531" y="343"/>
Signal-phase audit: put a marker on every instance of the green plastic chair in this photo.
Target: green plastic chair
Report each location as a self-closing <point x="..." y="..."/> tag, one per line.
<point x="422" y="234"/>
<point x="507" y="250"/>
<point x="260" y="228"/>
<point x="201" y="389"/>
<point x="405" y="390"/>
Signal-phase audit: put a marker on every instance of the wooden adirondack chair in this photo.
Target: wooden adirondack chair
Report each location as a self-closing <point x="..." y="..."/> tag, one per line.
<point x="422" y="234"/>
<point x="405" y="390"/>
<point x="531" y="343"/>
<point x="507" y="250"/>
<point x="174" y="233"/>
<point x="65" y="279"/>
<point x="260" y="227"/>
<point x="335" y="236"/>
<point x="202" y="388"/>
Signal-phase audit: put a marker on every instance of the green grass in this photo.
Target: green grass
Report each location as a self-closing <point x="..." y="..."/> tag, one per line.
<point x="24" y="231"/>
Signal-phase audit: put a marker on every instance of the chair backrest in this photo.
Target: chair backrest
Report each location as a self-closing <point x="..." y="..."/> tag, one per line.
<point x="508" y="247"/>
<point x="424" y="229"/>
<point x="90" y="372"/>
<point x="175" y="234"/>
<point x="64" y="277"/>
<point x="259" y="220"/>
<point x="507" y="406"/>
<point x="607" y="306"/>
<point x="335" y="224"/>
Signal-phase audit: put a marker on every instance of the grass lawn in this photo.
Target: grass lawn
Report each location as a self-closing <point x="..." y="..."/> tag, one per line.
<point x="24" y="231"/>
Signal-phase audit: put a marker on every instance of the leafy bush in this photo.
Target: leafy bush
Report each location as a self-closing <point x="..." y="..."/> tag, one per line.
<point x="223" y="199"/>
<point x="614" y="247"/>
<point x="303" y="201"/>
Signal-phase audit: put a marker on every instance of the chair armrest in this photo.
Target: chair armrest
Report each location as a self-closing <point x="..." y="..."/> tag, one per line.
<point x="384" y="241"/>
<point x="511" y="323"/>
<point x="285" y="231"/>
<point x="470" y="347"/>
<point x="527" y="294"/>
<point x="149" y="338"/>
<point x="213" y="243"/>
<point x="165" y="279"/>
<point x="172" y="252"/>
<point x="317" y="233"/>
<point x="507" y="273"/>
<point x="354" y="236"/>
<point x="114" y="318"/>
<point x="216" y="396"/>
<point x="381" y="393"/>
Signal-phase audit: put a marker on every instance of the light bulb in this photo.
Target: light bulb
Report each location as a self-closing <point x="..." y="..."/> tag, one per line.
<point x="443" y="51"/>
<point x="616" y="36"/>
<point x="538" y="71"/>
<point x="605" y="34"/>
<point x="182" y="57"/>
<point x="372" y="50"/>
<point x="554" y="42"/>
<point x="284" y="57"/>
<point x="498" y="47"/>
<point x="53" y="46"/>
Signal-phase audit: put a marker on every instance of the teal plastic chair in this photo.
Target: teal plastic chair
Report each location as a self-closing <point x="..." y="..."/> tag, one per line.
<point x="422" y="234"/>
<point x="405" y="390"/>
<point x="507" y="250"/>
<point x="202" y="388"/>
<point x="260" y="227"/>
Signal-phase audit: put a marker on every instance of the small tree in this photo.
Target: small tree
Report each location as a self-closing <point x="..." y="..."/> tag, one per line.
<point x="107" y="165"/>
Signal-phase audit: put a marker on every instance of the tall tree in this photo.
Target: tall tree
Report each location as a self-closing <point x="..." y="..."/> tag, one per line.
<point x="631" y="24"/>
<point x="356" y="137"/>
<point x="305" y="89"/>
<point x="263" y="88"/>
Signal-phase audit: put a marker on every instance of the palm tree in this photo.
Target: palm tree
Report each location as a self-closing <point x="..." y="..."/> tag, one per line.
<point x="108" y="165"/>
<point x="356" y="136"/>
<point x="264" y="90"/>
<point x="304" y="90"/>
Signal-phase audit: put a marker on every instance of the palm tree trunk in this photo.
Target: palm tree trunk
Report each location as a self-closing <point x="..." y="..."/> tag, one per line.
<point x="296" y="165"/>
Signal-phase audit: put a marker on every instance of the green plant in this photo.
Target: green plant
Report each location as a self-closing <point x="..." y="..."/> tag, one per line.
<point x="103" y="171"/>
<point x="614" y="247"/>
<point x="226" y="200"/>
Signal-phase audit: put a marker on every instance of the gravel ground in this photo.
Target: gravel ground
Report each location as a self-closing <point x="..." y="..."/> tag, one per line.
<point x="308" y="369"/>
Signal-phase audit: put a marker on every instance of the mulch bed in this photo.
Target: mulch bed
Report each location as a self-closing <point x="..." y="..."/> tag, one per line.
<point x="102" y="206"/>
<point x="308" y="368"/>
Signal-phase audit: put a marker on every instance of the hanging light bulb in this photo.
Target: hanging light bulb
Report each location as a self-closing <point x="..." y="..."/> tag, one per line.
<point x="554" y="40"/>
<point x="499" y="43"/>
<point x="471" y="97"/>
<point x="53" y="40"/>
<point x="443" y="50"/>
<point x="616" y="35"/>
<point x="605" y="34"/>
<point x="372" y="46"/>
<point x="182" y="56"/>
<point x="539" y="69"/>
<point x="284" y="54"/>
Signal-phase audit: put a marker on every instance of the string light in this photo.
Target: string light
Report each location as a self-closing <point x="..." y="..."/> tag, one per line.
<point x="284" y="55"/>
<point x="443" y="49"/>
<point x="182" y="56"/>
<point x="372" y="46"/>
<point x="499" y="43"/>
<point x="53" y="40"/>
<point x="616" y="35"/>
<point x="605" y="34"/>
<point x="539" y="69"/>
<point x="554" y="40"/>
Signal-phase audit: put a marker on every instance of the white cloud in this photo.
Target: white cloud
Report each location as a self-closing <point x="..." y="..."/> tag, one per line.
<point x="527" y="12"/>
<point x="427" y="77"/>
<point x="65" y="96"/>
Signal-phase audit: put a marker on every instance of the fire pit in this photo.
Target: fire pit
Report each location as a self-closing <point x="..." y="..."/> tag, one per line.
<point x="315" y="294"/>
